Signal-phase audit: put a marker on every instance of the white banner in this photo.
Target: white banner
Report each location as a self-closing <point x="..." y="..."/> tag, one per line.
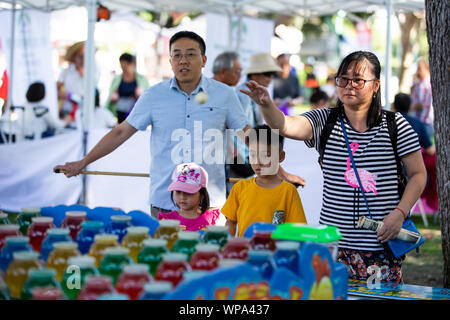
<point x="32" y="54"/>
<point x="256" y="35"/>
<point x="26" y="172"/>
<point x="126" y="193"/>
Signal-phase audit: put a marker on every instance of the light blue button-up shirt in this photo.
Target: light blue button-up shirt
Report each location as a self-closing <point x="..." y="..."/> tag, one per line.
<point x="182" y="130"/>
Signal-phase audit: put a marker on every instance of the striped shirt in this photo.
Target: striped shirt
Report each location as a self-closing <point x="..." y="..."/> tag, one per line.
<point x="342" y="202"/>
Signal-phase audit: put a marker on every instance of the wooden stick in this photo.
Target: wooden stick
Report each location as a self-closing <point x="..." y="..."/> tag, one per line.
<point x="126" y="174"/>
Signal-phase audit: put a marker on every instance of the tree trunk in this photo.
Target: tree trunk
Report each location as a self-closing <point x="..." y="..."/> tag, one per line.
<point x="438" y="31"/>
<point x="410" y="21"/>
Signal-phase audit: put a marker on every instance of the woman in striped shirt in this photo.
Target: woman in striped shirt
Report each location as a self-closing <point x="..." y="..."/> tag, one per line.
<point x="358" y="86"/>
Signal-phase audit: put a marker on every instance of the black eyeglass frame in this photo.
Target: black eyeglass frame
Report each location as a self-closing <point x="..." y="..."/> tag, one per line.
<point x="353" y="82"/>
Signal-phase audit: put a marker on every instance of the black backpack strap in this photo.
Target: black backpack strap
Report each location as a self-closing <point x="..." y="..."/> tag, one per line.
<point x="392" y="129"/>
<point x="326" y="131"/>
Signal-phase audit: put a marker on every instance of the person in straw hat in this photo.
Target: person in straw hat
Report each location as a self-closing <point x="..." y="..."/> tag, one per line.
<point x="262" y="69"/>
<point x="70" y="82"/>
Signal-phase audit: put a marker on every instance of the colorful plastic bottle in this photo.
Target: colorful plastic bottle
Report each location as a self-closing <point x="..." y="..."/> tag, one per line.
<point x="4" y="290"/>
<point x="8" y="230"/>
<point x="101" y="242"/>
<point x="236" y="248"/>
<point x="39" y="278"/>
<point x="113" y="262"/>
<point x="74" y="221"/>
<point x="262" y="261"/>
<point x="4" y="218"/>
<point x="59" y="257"/>
<point x="186" y="242"/>
<point x="86" y="236"/>
<point x="113" y="296"/>
<point x="132" y="280"/>
<point x="261" y="240"/>
<point x="168" y="230"/>
<point x="75" y="275"/>
<point x="13" y="244"/>
<point x="38" y="231"/>
<point x="152" y="253"/>
<point x="156" y="290"/>
<point x="172" y="268"/>
<point x="287" y="255"/>
<point x="119" y="225"/>
<point x="24" y="218"/>
<point x="206" y="257"/>
<point x="53" y="235"/>
<point x="216" y="235"/>
<point x="17" y="272"/>
<point x="96" y="286"/>
<point x="133" y="240"/>
<point x="47" y="294"/>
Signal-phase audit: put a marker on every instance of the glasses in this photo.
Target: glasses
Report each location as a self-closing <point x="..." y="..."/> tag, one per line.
<point x="357" y="83"/>
<point x="188" y="56"/>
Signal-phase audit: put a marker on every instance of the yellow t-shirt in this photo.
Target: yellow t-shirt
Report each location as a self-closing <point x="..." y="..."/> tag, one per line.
<point x="249" y="203"/>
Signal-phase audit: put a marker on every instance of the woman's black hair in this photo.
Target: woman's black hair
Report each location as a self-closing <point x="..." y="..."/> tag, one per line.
<point x="374" y="114"/>
<point x="204" y="202"/>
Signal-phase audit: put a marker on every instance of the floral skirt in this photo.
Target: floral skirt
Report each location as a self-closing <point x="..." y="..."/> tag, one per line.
<point x="362" y="264"/>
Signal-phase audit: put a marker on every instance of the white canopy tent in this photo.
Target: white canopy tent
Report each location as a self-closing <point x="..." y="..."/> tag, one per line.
<point x="306" y="8"/>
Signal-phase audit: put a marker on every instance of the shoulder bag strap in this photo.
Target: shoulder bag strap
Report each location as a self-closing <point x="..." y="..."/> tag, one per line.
<point x="354" y="167"/>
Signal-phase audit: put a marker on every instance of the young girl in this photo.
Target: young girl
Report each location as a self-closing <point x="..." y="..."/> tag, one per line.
<point x="188" y="192"/>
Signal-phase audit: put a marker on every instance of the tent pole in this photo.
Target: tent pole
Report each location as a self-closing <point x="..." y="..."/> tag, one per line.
<point x="387" y="63"/>
<point x="89" y="81"/>
<point x="10" y="71"/>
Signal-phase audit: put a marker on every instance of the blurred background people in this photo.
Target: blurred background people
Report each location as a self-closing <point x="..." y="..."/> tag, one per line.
<point x="286" y="86"/>
<point x="319" y="99"/>
<point x="70" y="84"/>
<point x="422" y="99"/>
<point x="125" y="88"/>
<point x="402" y="104"/>
<point x="227" y="68"/>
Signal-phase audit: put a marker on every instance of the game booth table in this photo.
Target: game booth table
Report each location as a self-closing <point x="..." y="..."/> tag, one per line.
<point x="74" y="252"/>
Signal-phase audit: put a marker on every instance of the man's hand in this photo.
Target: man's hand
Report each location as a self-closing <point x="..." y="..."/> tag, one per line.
<point x="291" y="178"/>
<point x="70" y="169"/>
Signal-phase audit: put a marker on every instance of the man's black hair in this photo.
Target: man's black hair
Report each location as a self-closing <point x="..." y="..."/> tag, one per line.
<point x="402" y="102"/>
<point x="127" y="57"/>
<point x="189" y="35"/>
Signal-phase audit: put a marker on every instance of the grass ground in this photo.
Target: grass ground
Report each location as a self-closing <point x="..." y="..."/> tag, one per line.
<point x="425" y="268"/>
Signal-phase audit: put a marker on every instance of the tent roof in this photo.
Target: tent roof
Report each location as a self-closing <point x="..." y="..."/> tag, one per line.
<point x="290" y="7"/>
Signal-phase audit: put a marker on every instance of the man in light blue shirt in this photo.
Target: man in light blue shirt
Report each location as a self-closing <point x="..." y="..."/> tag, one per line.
<point x="184" y="128"/>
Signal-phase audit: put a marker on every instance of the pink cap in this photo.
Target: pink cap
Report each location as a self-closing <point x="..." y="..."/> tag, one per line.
<point x="189" y="178"/>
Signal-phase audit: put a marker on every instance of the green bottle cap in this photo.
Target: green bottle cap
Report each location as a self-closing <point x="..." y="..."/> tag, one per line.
<point x="304" y="232"/>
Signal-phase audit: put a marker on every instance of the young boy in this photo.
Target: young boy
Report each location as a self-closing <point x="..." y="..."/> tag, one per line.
<point x="266" y="197"/>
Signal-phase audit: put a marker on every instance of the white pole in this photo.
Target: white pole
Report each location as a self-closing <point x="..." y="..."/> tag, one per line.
<point x="387" y="63"/>
<point x="89" y="67"/>
<point x="11" y="70"/>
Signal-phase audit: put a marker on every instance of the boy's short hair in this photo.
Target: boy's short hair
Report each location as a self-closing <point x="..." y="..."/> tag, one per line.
<point x="36" y="92"/>
<point x="190" y="35"/>
<point x="270" y="134"/>
<point x="402" y="102"/>
<point x="317" y="96"/>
